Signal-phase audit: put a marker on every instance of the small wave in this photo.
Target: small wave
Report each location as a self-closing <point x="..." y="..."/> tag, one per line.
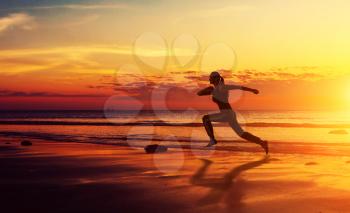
<point x="164" y="123"/>
<point x="187" y="143"/>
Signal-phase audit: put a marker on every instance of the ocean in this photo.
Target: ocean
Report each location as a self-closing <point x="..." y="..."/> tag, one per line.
<point x="174" y="128"/>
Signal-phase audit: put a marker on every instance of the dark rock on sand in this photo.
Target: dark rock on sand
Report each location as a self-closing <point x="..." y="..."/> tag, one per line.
<point x="26" y="143"/>
<point x="338" y="132"/>
<point x="155" y="148"/>
<point x="311" y="164"/>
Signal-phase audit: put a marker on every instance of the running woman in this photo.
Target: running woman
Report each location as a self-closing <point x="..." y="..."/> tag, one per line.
<point x="220" y="94"/>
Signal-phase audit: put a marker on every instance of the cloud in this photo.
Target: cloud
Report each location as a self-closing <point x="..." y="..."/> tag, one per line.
<point x="83" y="20"/>
<point x="190" y="80"/>
<point x="228" y="10"/>
<point x="217" y="12"/>
<point x="254" y="76"/>
<point x="56" y="59"/>
<point x="11" y="93"/>
<point x="77" y="7"/>
<point x="18" y="20"/>
<point x="94" y="6"/>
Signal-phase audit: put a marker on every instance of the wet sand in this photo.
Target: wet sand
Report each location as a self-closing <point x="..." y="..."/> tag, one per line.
<point x="76" y="177"/>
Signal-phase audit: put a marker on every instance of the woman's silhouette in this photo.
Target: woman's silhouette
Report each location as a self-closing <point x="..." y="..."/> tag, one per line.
<point x="220" y="93"/>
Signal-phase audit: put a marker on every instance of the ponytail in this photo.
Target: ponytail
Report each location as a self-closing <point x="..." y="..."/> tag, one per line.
<point x="222" y="80"/>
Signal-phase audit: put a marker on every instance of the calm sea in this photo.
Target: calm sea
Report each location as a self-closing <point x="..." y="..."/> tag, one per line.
<point x="173" y="127"/>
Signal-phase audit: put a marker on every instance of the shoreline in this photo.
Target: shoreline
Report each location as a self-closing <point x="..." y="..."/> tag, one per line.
<point x="169" y="124"/>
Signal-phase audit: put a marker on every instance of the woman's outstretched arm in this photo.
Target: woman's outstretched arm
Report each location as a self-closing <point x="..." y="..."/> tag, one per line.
<point x="233" y="87"/>
<point x="205" y="91"/>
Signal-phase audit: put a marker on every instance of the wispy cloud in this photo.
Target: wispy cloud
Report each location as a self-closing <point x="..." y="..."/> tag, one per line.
<point x="88" y="58"/>
<point x="216" y="12"/>
<point x="254" y="76"/>
<point x="76" y="7"/>
<point x="82" y="20"/>
<point x="10" y="93"/>
<point x="17" y="20"/>
<point x="229" y="10"/>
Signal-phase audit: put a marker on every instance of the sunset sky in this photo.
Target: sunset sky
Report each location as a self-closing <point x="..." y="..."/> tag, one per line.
<point x="71" y="54"/>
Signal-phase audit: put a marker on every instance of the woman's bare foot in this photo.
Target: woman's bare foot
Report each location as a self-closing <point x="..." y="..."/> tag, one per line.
<point x="265" y="146"/>
<point x="211" y="143"/>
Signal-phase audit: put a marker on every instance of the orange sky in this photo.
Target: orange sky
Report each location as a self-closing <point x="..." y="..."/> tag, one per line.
<point x="77" y="54"/>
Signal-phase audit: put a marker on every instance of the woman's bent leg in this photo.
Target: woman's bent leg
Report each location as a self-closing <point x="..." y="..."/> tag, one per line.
<point x="207" y="119"/>
<point x="208" y="127"/>
<point x="246" y="135"/>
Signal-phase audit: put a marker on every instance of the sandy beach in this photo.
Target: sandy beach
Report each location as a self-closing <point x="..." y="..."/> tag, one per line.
<point x="67" y="177"/>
